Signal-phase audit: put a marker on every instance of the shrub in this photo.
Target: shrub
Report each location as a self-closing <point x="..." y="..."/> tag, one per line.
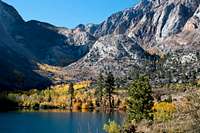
<point x="129" y="127"/>
<point x="198" y="83"/>
<point x="85" y="106"/>
<point x="112" y="127"/>
<point x="163" y="111"/>
<point x="169" y="99"/>
<point x="35" y="106"/>
<point x="46" y="105"/>
<point x="77" y="106"/>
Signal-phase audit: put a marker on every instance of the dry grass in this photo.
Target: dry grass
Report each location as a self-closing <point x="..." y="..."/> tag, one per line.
<point x="48" y="68"/>
<point x="185" y="116"/>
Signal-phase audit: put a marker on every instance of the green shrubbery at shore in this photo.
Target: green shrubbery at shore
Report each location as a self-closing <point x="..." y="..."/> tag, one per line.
<point x="179" y="112"/>
<point x="112" y="127"/>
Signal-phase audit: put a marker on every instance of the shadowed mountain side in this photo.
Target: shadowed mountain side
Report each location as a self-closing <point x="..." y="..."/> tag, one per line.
<point x="17" y="72"/>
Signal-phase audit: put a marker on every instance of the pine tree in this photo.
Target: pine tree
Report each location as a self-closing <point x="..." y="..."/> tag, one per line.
<point x="100" y="87"/>
<point x="109" y="85"/>
<point x="140" y="101"/>
<point x="71" y="93"/>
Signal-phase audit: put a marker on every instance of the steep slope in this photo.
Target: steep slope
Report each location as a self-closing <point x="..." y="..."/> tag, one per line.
<point x="47" y="45"/>
<point x="16" y="70"/>
<point x="194" y="22"/>
<point x="116" y="53"/>
<point x="24" y="45"/>
<point x="44" y="42"/>
<point x="188" y="38"/>
<point x="151" y="21"/>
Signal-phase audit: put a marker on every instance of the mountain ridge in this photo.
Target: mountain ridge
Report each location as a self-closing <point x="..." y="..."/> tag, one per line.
<point x="158" y="26"/>
<point x="126" y="39"/>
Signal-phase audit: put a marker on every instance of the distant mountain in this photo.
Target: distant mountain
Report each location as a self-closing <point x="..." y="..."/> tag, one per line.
<point x="130" y="38"/>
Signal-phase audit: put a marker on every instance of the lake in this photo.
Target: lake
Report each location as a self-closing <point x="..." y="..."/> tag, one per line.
<point x="56" y="122"/>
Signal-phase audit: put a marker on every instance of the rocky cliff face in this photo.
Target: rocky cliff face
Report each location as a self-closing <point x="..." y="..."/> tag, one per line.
<point x="194" y="22"/>
<point x="152" y="21"/>
<point x="158" y="26"/>
<point x="116" y="53"/>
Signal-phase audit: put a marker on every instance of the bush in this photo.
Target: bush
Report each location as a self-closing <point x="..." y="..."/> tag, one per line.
<point x="77" y="106"/>
<point x="35" y="106"/>
<point x="129" y="129"/>
<point x="85" y="106"/>
<point x="163" y="111"/>
<point x="169" y="99"/>
<point x="46" y="105"/>
<point x="91" y="105"/>
<point x="112" y="127"/>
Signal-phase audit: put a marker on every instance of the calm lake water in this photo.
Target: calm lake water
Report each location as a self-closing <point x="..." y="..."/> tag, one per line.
<point x="56" y="122"/>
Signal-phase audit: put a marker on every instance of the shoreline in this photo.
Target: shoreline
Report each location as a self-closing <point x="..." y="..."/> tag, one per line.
<point x="62" y="111"/>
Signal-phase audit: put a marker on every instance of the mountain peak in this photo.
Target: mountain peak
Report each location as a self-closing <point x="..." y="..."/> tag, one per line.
<point x="9" y="15"/>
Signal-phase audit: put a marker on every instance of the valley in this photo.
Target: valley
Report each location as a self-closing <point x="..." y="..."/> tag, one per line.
<point x="143" y="61"/>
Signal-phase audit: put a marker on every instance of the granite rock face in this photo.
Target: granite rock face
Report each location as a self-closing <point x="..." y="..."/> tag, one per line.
<point x="116" y="53"/>
<point x="158" y="26"/>
<point x="152" y="20"/>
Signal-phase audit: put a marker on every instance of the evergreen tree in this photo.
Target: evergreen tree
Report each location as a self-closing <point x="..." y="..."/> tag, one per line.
<point x="109" y="85"/>
<point x="118" y="82"/>
<point x="71" y="93"/>
<point x="100" y="87"/>
<point x="140" y="101"/>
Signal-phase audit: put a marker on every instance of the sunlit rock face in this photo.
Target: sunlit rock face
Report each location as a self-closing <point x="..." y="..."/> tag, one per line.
<point x="157" y="26"/>
<point x="116" y="53"/>
<point x="159" y="18"/>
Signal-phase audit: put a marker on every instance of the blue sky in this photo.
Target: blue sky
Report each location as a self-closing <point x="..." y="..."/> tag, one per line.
<point x="69" y="13"/>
